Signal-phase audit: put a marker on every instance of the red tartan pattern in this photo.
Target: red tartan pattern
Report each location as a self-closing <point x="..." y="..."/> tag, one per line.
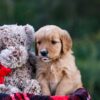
<point x="80" y="94"/>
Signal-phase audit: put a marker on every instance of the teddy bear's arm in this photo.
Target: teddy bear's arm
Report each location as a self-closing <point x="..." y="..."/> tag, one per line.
<point x="32" y="60"/>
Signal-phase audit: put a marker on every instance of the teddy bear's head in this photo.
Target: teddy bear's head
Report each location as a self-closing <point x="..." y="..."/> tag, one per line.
<point x="15" y="42"/>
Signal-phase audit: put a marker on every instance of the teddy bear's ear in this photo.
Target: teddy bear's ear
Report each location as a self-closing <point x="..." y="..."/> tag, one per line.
<point x="29" y="28"/>
<point x="30" y="34"/>
<point x="29" y="31"/>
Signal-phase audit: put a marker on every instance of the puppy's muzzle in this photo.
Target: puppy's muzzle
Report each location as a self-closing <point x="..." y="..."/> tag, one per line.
<point x="44" y="53"/>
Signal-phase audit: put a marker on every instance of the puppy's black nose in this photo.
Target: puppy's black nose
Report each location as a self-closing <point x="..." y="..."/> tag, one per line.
<point x="44" y="53"/>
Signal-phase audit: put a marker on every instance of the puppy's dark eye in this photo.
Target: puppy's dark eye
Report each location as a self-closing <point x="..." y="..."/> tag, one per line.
<point x="53" y="42"/>
<point x="39" y="42"/>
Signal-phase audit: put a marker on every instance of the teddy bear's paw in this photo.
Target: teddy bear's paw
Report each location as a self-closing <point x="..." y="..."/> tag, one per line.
<point x="12" y="89"/>
<point x="33" y="87"/>
<point x="8" y="89"/>
<point x="2" y="87"/>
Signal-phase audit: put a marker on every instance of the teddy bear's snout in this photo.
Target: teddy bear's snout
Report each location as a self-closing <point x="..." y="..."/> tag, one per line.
<point x="14" y="56"/>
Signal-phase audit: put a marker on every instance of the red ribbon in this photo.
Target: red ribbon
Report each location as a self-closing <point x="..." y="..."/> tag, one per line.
<point x="4" y="71"/>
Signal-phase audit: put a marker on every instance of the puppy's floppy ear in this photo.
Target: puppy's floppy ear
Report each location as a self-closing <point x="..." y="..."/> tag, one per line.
<point x="66" y="41"/>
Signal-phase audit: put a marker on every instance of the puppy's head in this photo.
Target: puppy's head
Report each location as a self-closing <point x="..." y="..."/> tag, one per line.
<point x="52" y="42"/>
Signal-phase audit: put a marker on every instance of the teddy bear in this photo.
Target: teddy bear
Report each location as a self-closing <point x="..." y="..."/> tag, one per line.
<point x="15" y="48"/>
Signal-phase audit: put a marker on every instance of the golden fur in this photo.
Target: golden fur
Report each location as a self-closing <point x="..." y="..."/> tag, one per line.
<point x="57" y="72"/>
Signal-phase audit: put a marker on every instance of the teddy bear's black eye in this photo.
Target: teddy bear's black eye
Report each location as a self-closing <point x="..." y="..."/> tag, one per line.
<point x="22" y="43"/>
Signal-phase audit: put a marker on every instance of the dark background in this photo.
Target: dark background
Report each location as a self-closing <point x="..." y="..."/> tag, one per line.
<point x="80" y="17"/>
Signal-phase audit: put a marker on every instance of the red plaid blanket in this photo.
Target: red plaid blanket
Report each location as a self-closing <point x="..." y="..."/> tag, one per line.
<point x="80" y="94"/>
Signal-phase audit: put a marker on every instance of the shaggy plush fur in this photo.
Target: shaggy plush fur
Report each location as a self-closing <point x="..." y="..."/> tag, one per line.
<point x="56" y="68"/>
<point x="15" y="44"/>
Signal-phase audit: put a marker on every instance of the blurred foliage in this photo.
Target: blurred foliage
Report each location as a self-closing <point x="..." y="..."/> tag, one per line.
<point x="87" y="56"/>
<point x="80" y="17"/>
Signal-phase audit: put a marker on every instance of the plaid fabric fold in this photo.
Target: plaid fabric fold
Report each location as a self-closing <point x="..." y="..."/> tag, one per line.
<point x="80" y="94"/>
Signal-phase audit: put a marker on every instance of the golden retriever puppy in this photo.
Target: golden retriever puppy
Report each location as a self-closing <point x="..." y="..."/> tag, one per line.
<point x="56" y="68"/>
